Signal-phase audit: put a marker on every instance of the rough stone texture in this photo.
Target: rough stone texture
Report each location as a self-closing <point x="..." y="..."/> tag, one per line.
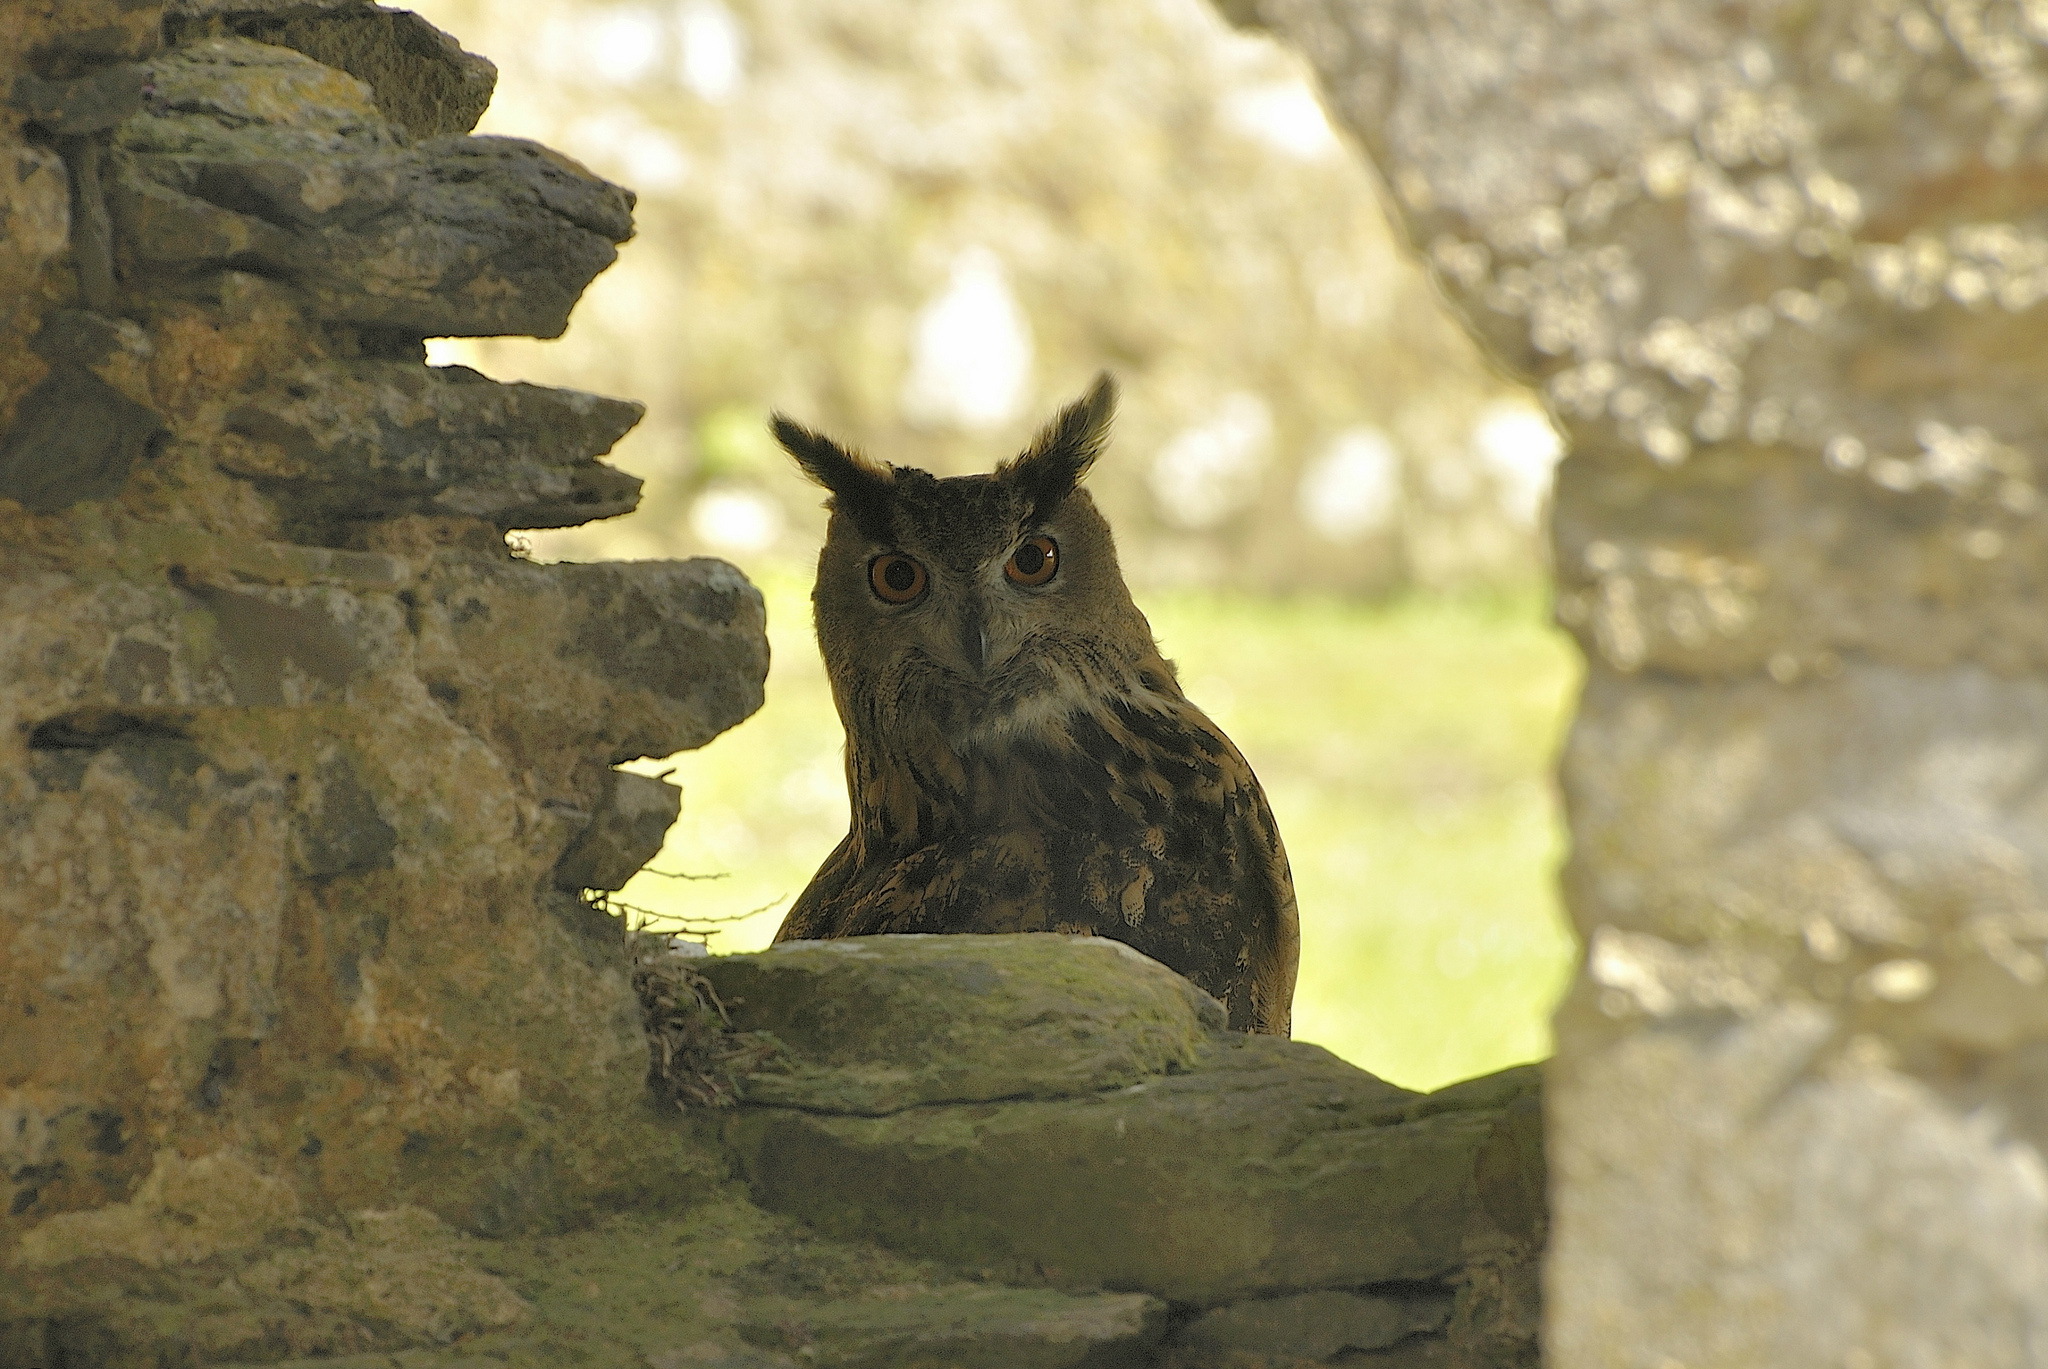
<point x="1315" y="1326"/>
<point x="732" y="1287"/>
<point x="76" y="435"/>
<point x="960" y="1328"/>
<point x="291" y="745"/>
<point x="250" y="154"/>
<point x="1778" y="269"/>
<point x="369" y="439"/>
<point x="1232" y="1171"/>
<point x="874" y="1026"/>
<point x="633" y="815"/>
<point x="421" y="78"/>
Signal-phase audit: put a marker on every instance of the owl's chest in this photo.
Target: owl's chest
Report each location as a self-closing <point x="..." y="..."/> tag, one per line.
<point x="1098" y="873"/>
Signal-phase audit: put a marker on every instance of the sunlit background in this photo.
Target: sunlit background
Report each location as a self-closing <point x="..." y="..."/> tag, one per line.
<point x="921" y="227"/>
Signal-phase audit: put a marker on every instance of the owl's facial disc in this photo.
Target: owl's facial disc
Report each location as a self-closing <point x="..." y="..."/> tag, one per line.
<point x="964" y="633"/>
<point x="968" y="620"/>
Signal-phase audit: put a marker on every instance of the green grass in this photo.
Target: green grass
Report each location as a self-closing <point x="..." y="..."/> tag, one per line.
<point x="1406" y="749"/>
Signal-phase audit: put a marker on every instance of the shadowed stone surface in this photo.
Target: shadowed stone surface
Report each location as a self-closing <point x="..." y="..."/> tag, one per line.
<point x="631" y="821"/>
<point x="1779" y="272"/>
<point x="1315" y="1326"/>
<point x="961" y="1328"/>
<point x="74" y="437"/>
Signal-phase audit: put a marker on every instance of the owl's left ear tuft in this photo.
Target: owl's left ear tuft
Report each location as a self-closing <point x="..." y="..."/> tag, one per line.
<point x="858" y="485"/>
<point x="1065" y="448"/>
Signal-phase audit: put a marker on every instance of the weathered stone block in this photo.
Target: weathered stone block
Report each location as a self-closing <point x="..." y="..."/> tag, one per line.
<point x="1253" y="1168"/>
<point x="626" y="830"/>
<point x="136" y="972"/>
<point x="875" y="1025"/>
<point x="202" y="636"/>
<point x="1272" y="1167"/>
<point x="422" y="79"/>
<point x="236" y="1269"/>
<point x="627" y="660"/>
<point x="75" y="437"/>
<point x="371" y="439"/>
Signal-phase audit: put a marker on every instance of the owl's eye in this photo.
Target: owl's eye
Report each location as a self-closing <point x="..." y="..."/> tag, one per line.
<point x="1033" y="562"/>
<point x="896" y="579"/>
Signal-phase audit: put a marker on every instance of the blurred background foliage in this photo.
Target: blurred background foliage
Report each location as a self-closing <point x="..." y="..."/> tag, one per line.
<point x="921" y="227"/>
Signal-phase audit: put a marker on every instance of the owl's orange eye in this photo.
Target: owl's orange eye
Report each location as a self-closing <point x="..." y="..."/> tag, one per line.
<point x="1033" y="562"/>
<point x="896" y="579"/>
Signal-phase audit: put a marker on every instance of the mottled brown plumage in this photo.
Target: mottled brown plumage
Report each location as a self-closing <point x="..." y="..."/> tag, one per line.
<point x="1018" y="754"/>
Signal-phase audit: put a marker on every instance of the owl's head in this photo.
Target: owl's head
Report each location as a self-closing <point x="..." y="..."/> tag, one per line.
<point x="977" y="604"/>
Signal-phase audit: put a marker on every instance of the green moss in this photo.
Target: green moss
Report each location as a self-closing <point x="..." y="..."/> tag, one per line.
<point x="876" y="1026"/>
<point x="731" y="1284"/>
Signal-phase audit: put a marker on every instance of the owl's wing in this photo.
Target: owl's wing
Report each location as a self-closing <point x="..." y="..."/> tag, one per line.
<point x="811" y="917"/>
<point x="1222" y="905"/>
<point x="1275" y="950"/>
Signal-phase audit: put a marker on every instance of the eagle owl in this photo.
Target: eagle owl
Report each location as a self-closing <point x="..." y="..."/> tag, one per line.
<point x="1019" y="756"/>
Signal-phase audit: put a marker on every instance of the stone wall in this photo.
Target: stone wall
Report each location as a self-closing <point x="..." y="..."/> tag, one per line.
<point x="1779" y="270"/>
<point x="291" y="746"/>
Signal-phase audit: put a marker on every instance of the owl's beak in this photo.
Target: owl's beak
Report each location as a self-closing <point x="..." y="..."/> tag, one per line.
<point x="974" y="643"/>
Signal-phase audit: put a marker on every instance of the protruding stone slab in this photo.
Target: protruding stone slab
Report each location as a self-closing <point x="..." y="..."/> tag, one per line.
<point x="626" y="659"/>
<point x="373" y="439"/>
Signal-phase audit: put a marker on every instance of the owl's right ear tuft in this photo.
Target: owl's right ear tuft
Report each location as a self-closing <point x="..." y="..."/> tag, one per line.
<point x="859" y="485"/>
<point x="1064" y="449"/>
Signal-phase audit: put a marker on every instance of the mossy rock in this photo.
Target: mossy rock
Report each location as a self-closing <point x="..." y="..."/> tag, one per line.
<point x="874" y="1025"/>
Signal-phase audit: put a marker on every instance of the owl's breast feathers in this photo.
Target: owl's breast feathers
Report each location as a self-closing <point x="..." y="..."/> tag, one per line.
<point x="1132" y="817"/>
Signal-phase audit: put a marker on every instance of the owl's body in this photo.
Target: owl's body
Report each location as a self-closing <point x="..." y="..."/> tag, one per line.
<point x="1019" y="757"/>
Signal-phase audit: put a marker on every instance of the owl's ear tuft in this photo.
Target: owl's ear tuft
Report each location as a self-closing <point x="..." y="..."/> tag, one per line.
<point x="858" y="484"/>
<point x="1065" y="448"/>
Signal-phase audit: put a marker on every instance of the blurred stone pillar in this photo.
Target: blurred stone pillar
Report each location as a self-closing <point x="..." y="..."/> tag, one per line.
<point x="1779" y="270"/>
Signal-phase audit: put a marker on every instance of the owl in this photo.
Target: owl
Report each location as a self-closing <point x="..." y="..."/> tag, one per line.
<point x="1019" y="756"/>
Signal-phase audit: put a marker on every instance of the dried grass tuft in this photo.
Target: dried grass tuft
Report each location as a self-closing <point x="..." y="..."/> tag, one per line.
<point x="698" y="1060"/>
